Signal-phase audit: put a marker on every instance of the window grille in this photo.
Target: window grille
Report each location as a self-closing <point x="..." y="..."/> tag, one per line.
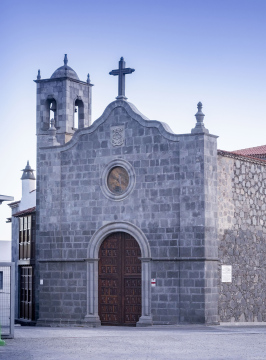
<point x="7" y="282"/>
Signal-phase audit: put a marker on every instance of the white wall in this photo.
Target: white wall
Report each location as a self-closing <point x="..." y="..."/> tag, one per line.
<point x="5" y="250"/>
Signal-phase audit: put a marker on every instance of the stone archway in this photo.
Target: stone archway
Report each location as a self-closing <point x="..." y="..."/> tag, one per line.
<point x="92" y="316"/>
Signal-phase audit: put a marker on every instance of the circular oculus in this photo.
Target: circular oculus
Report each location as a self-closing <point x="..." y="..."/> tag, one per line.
<point x="118" y="180"/>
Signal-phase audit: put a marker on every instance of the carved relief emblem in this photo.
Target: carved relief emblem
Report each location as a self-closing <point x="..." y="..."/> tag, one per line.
<point x="117" y="135"/>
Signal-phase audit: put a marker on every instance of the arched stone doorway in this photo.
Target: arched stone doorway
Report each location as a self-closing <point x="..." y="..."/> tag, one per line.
<point x="119" y="281"/>
<point x="92" y="317"/>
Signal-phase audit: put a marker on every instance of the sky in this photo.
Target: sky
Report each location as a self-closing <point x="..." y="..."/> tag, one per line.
<point x="213" y="51"/>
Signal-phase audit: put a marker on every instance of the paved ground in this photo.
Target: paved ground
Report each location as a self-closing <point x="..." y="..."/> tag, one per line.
<point x="158" y="342"/>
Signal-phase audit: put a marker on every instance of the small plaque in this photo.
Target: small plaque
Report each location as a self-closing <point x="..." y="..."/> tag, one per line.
<point x="227" y="273"/>
<point x="118" y="135"/>
<point x="118" y="180"/>
<point x="153" y="282"/>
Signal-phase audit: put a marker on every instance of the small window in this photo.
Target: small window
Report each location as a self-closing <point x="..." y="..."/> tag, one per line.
<point x="78" y="114"/>
<point x="25" y="235"/>
<point x="1" y="280"/>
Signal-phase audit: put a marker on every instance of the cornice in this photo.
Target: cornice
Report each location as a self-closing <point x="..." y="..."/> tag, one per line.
<point x="132" y="111"/>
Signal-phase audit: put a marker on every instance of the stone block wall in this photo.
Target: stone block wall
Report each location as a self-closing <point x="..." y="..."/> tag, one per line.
<point x="64" y="91"/>
<point x="198" y="224"/>
<point x="170" y="203"/>
<point x="72" y="206"/>
<point x="64" y="288"/>
<point x="242" y="237"/>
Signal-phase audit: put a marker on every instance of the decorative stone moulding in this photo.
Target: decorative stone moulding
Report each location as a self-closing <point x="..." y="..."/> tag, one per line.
<point x="92" y="316"/>
<point x="106" y="184"/>
<point x="118" y="135"/>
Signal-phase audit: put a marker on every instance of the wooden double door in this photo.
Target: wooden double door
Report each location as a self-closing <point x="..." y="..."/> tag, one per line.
<point x="119" y="280"/>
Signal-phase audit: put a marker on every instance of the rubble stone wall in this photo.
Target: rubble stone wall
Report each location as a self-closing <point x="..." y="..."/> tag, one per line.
<point x="242" y="238"/>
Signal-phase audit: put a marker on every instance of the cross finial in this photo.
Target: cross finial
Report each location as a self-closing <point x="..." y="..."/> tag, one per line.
<point x="39" y="75"/>
<point x="121" y="72"/>
<point x="65" y="60"/>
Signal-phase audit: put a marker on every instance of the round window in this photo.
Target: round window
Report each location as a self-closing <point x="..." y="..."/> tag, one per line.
<point x="118" y="180"/>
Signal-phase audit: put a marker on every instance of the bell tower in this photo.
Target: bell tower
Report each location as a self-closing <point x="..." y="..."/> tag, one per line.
<point x="65" y="99"/>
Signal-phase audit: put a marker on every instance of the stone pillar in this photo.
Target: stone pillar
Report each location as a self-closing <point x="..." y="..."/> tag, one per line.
<point x="198" y="225"/>
<point x="92" y="318"/>
<point x="146" y="318"/>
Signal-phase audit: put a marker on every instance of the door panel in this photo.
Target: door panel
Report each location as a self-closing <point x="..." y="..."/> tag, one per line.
<point x="119" y="280"/>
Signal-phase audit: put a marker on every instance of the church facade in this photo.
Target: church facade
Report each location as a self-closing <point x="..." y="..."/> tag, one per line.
<point x="136" y="225"/>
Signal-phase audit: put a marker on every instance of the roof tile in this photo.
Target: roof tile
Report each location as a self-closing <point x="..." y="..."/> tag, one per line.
<point x="258" y="150"/>
<point x="25" y="212"/>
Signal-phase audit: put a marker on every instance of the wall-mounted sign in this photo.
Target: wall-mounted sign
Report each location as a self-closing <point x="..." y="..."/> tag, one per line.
<point x="227" y="273"/>
<point x="153" y="282"/>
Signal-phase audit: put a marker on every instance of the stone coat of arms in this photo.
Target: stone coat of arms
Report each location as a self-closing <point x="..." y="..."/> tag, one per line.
<point x="117" y="135"/>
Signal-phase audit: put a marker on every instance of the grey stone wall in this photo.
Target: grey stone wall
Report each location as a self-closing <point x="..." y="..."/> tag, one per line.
<point x="65" y="92"/>
<point x="198" y="235"/>
<point x="171" y="203"/>
<point x="242" y="234"/>
<point x="63" y="294"/>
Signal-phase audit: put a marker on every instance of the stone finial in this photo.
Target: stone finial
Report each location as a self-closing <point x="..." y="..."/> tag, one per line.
<point x="28" y="172"/>
<point x="65" y="60"/>
<point x="199" y="128"/>
<point x="199" y="115"/>
<point x="89" y="80"/>
<point x="199" y="106"/>
<point x="39" y="75"/>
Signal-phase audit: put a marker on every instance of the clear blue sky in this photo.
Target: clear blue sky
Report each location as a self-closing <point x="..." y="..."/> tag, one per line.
<point x="212" y="51"/>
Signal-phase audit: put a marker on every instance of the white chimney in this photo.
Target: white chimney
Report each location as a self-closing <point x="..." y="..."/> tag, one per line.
<point x="28" y="186"/>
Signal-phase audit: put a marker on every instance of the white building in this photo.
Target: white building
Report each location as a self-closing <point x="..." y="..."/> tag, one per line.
<point x="23" y="246"/>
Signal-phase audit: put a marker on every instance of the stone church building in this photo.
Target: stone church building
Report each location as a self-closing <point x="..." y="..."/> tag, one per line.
<point x="136" y="225"/>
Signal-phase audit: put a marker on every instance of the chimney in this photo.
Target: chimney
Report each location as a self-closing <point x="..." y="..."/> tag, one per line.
<point x="28" y="180"/>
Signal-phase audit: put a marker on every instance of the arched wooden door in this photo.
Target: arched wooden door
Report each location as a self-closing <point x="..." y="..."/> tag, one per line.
<point x="119" y="280"/>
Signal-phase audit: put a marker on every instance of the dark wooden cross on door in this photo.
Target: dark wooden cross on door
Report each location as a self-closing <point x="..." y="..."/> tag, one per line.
<point x="121" y="72"/>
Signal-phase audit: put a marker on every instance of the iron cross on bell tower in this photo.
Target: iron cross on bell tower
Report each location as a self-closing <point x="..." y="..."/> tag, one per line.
<point x="121" y="72"/>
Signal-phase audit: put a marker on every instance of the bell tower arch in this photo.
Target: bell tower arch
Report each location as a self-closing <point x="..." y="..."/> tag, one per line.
<point x="58" y="97"/>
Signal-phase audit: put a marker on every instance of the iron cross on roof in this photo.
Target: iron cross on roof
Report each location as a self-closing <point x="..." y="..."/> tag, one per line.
<point x="121" y="72"/>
